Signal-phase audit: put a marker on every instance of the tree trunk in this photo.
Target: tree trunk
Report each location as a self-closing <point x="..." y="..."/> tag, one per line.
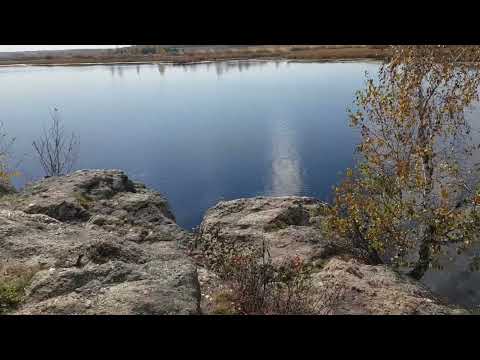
<point x="374" y="258"/>
<point x="424" y="254"/>
<point x="371" y="255"/>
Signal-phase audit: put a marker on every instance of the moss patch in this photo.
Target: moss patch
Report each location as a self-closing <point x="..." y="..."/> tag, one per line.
<point x="13" y="282"/>
<point x="83" y="200"/>
<point x="223" y="304"/>
<point x="275" y="226"/>
<point x="319" y="210"/>
<point x="8" y="201"/>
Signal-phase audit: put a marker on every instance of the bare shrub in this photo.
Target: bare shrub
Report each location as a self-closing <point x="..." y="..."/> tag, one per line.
<point x="56" y="150"/>
<point x="261" y="286"/>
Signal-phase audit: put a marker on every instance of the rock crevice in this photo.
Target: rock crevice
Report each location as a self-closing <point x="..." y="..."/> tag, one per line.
<point x="292" y="226"/>
<point x="105" y="244"/>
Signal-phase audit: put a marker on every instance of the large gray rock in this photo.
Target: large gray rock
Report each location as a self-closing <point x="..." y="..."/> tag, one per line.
<point x="293" y="226"/>
<point x="290" y="224"/>
<point x="106" y="199"/>
<point x="377" y="290"/>
<point x="104" y="244"/>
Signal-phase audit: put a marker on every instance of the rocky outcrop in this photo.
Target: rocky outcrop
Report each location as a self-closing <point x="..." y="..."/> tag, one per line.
<point x="105" y="245"/>
<point x="6" y="188"/>
<point x="290" y="225"/>
<point x="102" y="244"/>
<point x="293" y="226"/>
<point x="377" y="290"/>
<point x="105" y="199"/>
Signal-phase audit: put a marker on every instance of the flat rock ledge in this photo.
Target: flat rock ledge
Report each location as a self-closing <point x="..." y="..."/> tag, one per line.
<point x="103" y="244"/>
<point x="293" y="227"/>
<point x="290" y="225"/>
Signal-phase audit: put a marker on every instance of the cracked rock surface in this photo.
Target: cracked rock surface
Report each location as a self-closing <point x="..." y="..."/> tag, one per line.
<point x="293" y="227"/>
<point x="104" y="244"/>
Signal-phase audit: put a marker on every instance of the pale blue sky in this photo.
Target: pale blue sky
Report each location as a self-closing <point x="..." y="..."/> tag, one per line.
<point x="11" y="48"/>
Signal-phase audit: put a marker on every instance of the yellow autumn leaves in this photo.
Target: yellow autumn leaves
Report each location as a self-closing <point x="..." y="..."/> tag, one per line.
<point x="409" y="188"/>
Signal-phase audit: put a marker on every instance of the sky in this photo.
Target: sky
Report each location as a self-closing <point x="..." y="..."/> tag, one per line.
<point x="11" y="48"/>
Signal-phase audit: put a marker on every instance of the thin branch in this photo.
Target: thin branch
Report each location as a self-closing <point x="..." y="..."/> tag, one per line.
<point x="55" y="153"/>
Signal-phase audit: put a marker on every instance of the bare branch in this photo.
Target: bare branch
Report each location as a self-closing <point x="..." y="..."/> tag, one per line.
<point x="56" y="151"/>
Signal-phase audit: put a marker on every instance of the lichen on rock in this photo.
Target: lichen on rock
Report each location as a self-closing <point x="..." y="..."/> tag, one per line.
<point x="292" y="227"/>
<point x="76" y="228"/>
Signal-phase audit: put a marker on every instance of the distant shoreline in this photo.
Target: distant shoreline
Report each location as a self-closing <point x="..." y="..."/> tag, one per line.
<point x="188" y="58"/>
<point x="23" y="64"/>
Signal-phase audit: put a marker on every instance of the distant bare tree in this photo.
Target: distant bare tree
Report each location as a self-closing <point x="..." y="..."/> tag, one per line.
<point x="57" y="151"/>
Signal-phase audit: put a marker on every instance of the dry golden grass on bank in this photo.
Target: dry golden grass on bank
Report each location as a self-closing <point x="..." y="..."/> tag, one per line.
<point x="13" y="281"/>
<point x="307" y="52"/>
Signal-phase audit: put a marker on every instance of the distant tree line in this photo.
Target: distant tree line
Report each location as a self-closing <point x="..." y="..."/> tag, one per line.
<point x="147" y="50"/>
